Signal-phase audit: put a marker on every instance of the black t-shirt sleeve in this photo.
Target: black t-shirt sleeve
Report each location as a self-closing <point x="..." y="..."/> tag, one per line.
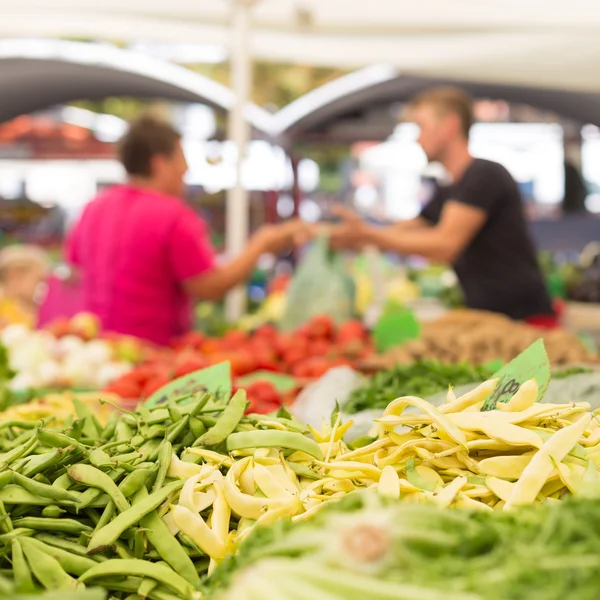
<point x="482" y="187"/>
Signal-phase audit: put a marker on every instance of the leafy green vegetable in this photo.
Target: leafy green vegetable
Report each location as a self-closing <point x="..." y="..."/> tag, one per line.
<point x="367" y="547"/>
<point x="422" y="378"/>
<point x="570" y="371"/>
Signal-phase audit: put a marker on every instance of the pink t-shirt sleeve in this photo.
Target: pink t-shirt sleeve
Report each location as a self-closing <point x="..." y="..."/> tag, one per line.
<point x="191" y="252"/>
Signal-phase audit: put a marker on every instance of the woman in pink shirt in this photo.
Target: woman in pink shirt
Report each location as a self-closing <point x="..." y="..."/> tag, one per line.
<point x="144" y="254"/>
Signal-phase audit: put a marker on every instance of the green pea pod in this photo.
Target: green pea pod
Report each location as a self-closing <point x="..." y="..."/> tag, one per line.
<point x="20" y="532"/>
<point x="165" y="544"/>
<point x="123" y="431"/>
<point x="15" y="494"/>
<point x="63" y="482"/>
<point x="134" y="481"/>
<point x="42" y="524"/>
<point x="99" y="458"/>
<point x="140" y="568"/>
<point x="71" y="563"/>
<point x="5" y="522"/>
<point x="20" y="451"/>
<point x="147" y="586"/>
<point x="52" y="512"/>
<point x="227" y="422"/>
<point x="201" y="402"/>
<point x="38" y="463"/>
<point x="165" y="453"/>
<point x="174" y="412"/>
<point x="273" y="439"/>
<point x="46" y="569"/>
<point x="109" y="428"/>
<point x="22" y="573"/>
<point x="92" y="427"/>
<point x="5" y="478"/>
<point x="197" y="427"/>
<point x="65" y="544"/>
<point x="139" y="544"/>
<point x="42" y="489"/>
<point x="93" y="477"/>
<point x="304" y="471"/>
<point x="109" y="534"/>
<point x="177" y="429"/>
<point x="54" y="439"/>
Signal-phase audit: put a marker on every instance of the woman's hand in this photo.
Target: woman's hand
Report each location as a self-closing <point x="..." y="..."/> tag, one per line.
<point x="275" y="239"/>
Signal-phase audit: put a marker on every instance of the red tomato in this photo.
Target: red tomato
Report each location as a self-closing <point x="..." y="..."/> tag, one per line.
<point x="321" y="327"/>
<point x="155" y="384"/>
<point x="125" y="388"/>
<point x="351" y="330"/>
<point x="264" y="391"/>
<point x="190" y="365"/>
<point x="266" y="332"/>
<point x="319" y="348"/>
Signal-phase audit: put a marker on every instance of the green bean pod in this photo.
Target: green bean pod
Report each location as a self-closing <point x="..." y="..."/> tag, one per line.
<point x="109" y="534"/>
<point x="43" y="489"/>
<point x="165" y="453"/>
<point x="273" y="439"/>
<point x="71" y="563"/>
<point x="93" y="477"/>
<point x="227" y="422"/>
<point x="46" y="569"/>
<point x="21" y="570"/>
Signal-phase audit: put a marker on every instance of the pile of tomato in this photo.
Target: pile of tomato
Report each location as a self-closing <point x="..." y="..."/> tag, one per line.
<point x="306" y="354"/>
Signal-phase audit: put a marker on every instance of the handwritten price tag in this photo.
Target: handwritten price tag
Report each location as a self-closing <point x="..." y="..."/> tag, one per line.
<point x="532" y="363"/>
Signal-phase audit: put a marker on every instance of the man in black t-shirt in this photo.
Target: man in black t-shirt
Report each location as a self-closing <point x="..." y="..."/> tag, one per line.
<point x="475" y="222"/>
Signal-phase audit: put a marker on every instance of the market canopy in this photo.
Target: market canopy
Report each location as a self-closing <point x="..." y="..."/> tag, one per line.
<point x="36" y="74"/>
<point x="528" y="42"/>
<point x="359" y="106"/>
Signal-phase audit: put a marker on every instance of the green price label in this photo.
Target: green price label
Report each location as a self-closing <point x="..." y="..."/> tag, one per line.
<point x="216" y="380"/>
<point x="533" y="363"/>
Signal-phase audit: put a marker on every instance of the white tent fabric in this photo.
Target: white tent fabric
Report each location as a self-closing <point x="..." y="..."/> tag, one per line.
<point x="533" y="42"/>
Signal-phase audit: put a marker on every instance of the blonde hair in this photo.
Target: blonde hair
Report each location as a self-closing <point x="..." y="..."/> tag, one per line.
<point x="23" y="255"/>
<point x="448" y="100"/>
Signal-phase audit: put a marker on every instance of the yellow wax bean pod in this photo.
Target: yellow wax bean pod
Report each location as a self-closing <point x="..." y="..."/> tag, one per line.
<point x="356" y="475"/>
<point x="567" y="477"/>
<point x="552" y="486"/>
<point x="480" y="393"/>
<point x="446" y="496"/>
<point x="539" y="469"/>
<point x="524" y="398"/>
<point x="221" y="515"/>
<point x="512" y="434"/>
<point x="300" y="457"/>
<point x="285" y="476"/>
<point x="480" y="492"/>
<point x="500" y="505"/>
<point x="341" y="431"/>
<point x="169" y="521"/>
<point x="272" y="424"/>
<point x="389" y="484"/>
<point x="591" y="440"/>
<point x="450" y="396"/>
<point x="440" y="463"/>
<point x="503" y="489"/>
<point x="488" y="445"/>
<point x="441" y="421"/>
<point x="268" y="483"/>
<point x="422" y="477"/>
<point x="471" y="464"/>
<point x="401" y="438"/>
<point x="246" y="479"/>
<point x="453" y="473"/>
<point x="203" y="500"/>
<point x="199" y="532"/>
<point x="186" y="497"/>
<point x="212" y="456"/>
<point x="183" y="470"/>
<point x="540" y="411"/>
<point x="406" y="487"/>
<point x="368" y="471"/>
<point x="365" y="450"/>
<point x="244" y="505"/>
<point x="320" y="436"/>
<point x="343" y="485"/>
<point x="309" y="513"/>
<point x="463" y="501"/>
<point x="391" y="422"/>
<point x="476" y="407"/>
<point x="505" y="467"/>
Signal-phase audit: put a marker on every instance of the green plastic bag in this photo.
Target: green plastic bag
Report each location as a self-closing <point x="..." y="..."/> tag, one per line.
<point x="321" y="286"/>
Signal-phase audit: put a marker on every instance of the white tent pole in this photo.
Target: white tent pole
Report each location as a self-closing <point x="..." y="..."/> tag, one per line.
<point x="237" y="210"/>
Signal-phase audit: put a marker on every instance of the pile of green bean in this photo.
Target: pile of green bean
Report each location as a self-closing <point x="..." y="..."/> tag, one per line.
<point x="84" y="507"/>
